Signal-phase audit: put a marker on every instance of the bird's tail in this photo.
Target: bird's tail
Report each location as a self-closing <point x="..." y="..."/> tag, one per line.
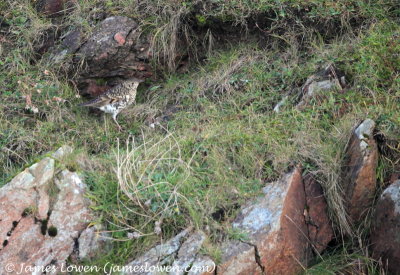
<point x="89" y="103"/>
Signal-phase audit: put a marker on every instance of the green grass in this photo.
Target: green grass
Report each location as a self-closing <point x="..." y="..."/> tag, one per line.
<point x="224" y="142"/>
<point x="341" y="262"/>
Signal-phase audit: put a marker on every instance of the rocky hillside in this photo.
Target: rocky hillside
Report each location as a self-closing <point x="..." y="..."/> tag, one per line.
<point x="264" y="138"/>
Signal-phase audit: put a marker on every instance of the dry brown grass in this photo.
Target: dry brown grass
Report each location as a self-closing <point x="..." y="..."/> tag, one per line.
<point x="326" y="150"/>
<point x="150" y="174"/>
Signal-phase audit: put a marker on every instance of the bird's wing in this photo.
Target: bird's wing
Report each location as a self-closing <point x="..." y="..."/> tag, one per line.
<point x="104" y="99"/>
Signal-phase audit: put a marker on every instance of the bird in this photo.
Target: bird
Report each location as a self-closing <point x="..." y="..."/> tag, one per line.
<point x="115" y="99"/>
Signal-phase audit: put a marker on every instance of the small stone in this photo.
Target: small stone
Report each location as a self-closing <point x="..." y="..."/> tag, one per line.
<point x="278" y="106"/>
<point x="324" y="81"/>
<point x="62" y="152"/>
<point x="364" y="133"/>
<point x="91" y="241"/>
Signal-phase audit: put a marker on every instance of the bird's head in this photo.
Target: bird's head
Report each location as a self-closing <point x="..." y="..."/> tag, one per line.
<point x="134" y="82"/>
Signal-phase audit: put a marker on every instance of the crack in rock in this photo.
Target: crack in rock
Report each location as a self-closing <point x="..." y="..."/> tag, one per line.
<point x="257" y="257"/>
<point x="25" y="200"/>
<point x="187" y="252"/>
<point x="159" y="255"/>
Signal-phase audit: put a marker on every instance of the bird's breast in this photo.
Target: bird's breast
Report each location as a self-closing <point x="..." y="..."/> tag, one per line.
<point x="109" y="108"/>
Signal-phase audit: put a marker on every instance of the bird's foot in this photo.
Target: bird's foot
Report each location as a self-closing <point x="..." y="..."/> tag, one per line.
<point x="116" y="122"/>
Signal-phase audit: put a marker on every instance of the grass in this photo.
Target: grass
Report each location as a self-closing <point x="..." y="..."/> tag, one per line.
<point x="217" y="141"/>
<point x="151" y="175"/>
<point x="341" y="262"/>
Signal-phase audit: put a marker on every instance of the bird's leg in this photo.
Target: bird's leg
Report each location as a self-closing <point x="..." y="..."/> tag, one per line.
<point x="105" y="121"/>
<point x="114" y="116"/>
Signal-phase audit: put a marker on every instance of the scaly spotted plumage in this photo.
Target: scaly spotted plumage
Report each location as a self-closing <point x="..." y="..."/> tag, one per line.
<point x="114" y="100"/>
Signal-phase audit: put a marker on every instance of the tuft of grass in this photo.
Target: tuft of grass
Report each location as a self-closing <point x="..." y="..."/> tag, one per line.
<point x="150" y="174"/>
<point x="342" y="262"/>
<point x="323" y="150"/>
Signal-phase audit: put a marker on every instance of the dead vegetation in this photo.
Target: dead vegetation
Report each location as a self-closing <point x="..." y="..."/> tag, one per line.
<point x="150" y="174"/>
<point x="328" y="163"/>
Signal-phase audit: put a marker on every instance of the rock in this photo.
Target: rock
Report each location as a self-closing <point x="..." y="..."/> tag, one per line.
<point x="40" y="221"/>
<point x="394" y="177"/>
<point x="359" y="170"/>
<point x="70" y="213"/>
<point x="21" y="196"/>
<point x="116" y="48"/>
<point x="385" y="233"/>
<point x="43" y="204"/>
<point x="276" y="229"/>
<point x="202" y="265"/>
<point x="72" y="40"/>
<point x="90" y="242"/>
<point x="320" y="231"/>
<point x="188" y="252"/>
<point x="70" y="43"/>
<point x="176" y="256"/>
<point x="278" y="106"/>
<point x="62" y="152"/>
<point x="159" y="255"/>
<point x="324" y="81"/>
<point x="238" y="258"/>
<point x="43" y="172"/>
